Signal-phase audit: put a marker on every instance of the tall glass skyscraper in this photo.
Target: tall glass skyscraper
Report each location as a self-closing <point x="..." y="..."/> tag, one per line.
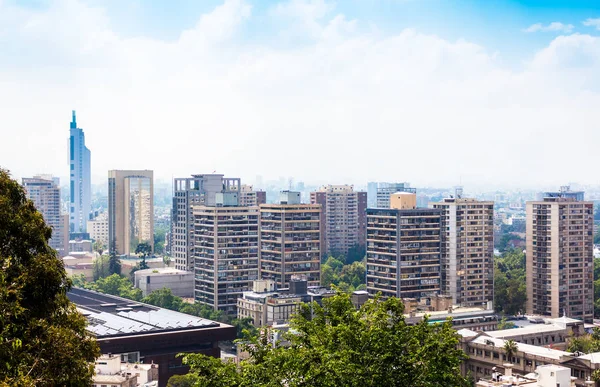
<point x="81" y="182"/>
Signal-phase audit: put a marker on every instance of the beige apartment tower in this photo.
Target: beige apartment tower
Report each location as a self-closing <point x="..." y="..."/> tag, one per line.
<point x="290" y="240"/>
<point x="225" y="254"/>
<point x="343" y="217"/>
<point x="467" y="250"/>
<point x="559" y="256"/>
<point x="130" y="210"/>
<point x="403" y="249"/>
<point x="44" y="192"/>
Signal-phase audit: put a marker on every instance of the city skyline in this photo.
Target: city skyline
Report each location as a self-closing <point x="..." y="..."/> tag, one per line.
<point x="490" y="110"/>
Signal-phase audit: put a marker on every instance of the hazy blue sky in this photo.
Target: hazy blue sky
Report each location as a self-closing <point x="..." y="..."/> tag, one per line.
<point x="427" y="91"/>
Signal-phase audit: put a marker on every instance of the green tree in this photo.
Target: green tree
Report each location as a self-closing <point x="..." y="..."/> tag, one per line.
<point x="99" y="247"/>
<point x="337" y="345"/>
<point x="114" y="264"/>
<point x="164" y="298"/>
<point x="244" y="326"/>
<point x="43" y="340"/>
<point x="117" y="286"/>
<point x="510" y="349"/>
<point x="503" y="324"/>
<point x="510" y="291"/>
<point x="167" y="260"/>
<point x="182" y="381"/>
<point x="101" y="268"/>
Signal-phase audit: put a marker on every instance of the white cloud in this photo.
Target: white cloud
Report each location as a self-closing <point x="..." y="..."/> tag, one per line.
<point x="345" y="105"/>
<point x="592" y="23"/>
<point x="552" y="27"/>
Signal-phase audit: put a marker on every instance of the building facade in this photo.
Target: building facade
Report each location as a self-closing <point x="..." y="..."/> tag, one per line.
<point x="290" y="240"/>
<point x="98" y="228"/>
<point x="225" y="254"/>
<point x="80" y="188"/>
<point x="403" y="251"/>
<point x="467" y="250"/>
<point x="130" y="210"/>
<point x="44" y="192"/>
<point x="188" y="192"/>
<point x="385" y="190"/>
<point x="560" y="257"/>
<point x="343" y="217"/>
<point x="250" y="197"/>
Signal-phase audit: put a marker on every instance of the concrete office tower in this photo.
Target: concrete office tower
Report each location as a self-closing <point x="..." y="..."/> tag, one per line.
<point x="385" y="190"/>
<point x="467" y="250"/>
<point x="44" y="192"/>
<point x="560" y="260"/>
<point x="188" y="192"/>
<point x="404" y="250"/>
<point x="343" y="217"/>
<point x="80" y="194"/>
<point x="225" y="254"/>
<point x="290" y="240"/>
<point x="130" y="210"/>
<point x="249" y="197"/>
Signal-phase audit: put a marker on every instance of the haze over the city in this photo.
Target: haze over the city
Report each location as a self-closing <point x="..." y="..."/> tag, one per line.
<point x="431" y="92"/>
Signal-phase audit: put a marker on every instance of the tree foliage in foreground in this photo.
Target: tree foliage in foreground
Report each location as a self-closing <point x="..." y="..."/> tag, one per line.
<point x="43" y="340"/>
<point x="342" y="346"/>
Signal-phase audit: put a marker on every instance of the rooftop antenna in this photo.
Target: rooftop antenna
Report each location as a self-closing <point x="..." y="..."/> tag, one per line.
<point x="74" y="121"/>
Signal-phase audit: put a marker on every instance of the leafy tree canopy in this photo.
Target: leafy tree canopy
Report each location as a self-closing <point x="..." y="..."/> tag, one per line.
<point x="43" y="340"/>
<point x="337" y="345"/>
<point x="510" y="292"/>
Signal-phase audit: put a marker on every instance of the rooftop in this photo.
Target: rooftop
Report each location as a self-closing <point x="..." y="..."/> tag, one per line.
<point x="163" y="271"/>
<point x="110" y="316"/>
<point x="525" y="330"/>
<point x="592" y="357"/>
<point x="525" y="348"/>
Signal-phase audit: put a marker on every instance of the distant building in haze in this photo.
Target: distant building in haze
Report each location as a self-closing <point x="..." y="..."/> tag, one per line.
<point x="404" y="249"/>
<point x="44" y="192"/>
<point x="250" y="197"/>
<point x="385" y="190"/>
<point x="560" y="256"/>
<point x="290" y="240"/>
<point x="343" y="217"/>
<point x="467" y="249"/>
<point x="188" y="192"/>
<point x="130" y="210"/>
<point x="80" y="188"/>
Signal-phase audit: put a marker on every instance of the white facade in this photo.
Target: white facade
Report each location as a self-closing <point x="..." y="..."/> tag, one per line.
<point x="180" y="282"/>
<point x="80" y="188"/>
<point x="98" y="228"/>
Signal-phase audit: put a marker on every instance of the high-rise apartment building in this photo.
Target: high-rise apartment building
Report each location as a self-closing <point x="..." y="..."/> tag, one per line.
<point x="130" y="210"/>
<point x="44" y="192"/>
<point x="559" y="256"/>
<point x="250" y="197"/>
<point x="404" y="249"/>
<point x="385" y="190"/>
<point x="188" y="192"/>
<point x="80" y="189"/>
<point x="290" y="240"/>
<point x="225" y="254"/>
<point x="343" y="217"/>
<point x="467" y="250"/>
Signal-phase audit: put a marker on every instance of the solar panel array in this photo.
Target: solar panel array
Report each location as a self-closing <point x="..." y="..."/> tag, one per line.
<point x="108" y="315"/>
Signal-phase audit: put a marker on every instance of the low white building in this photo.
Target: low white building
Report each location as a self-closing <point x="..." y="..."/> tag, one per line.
<point x="110" y="371"/>
<point x="180" y="282"/>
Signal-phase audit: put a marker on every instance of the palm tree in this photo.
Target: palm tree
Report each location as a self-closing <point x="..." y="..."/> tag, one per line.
<point x="510" y="348"/>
